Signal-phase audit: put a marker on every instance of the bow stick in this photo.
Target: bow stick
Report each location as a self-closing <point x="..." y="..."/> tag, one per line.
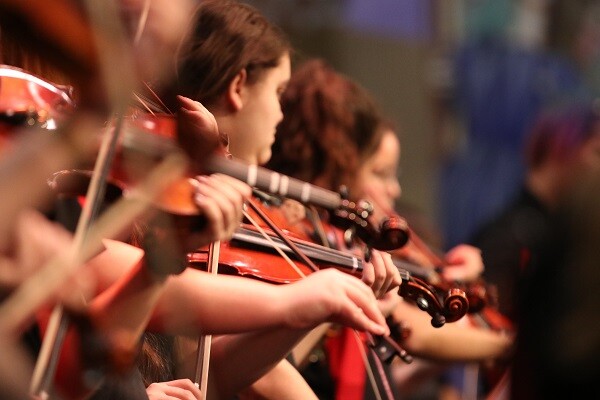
<point x="205" y="341"/>
<point x="110" y="40"/>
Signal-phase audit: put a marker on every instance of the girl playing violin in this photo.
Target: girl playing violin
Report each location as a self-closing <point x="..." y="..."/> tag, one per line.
<point x="332" y="135"/>
<point x="251" y="305"/>
<point x="238" y="64"/>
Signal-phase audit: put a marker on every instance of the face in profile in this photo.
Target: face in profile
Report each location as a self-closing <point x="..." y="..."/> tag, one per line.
<point x="260" y="114"/>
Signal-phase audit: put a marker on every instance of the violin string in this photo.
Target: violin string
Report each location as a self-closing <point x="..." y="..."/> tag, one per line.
<point x="268" y="238"/>
<point x="158" y="99"/>
<point x="143" y="103"/>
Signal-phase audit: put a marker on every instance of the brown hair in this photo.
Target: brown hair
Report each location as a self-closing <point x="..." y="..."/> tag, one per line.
<point x="225" y="38"/>
<point x="330" y="126"/>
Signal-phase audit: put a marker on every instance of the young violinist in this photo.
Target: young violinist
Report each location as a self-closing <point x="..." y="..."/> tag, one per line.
<point x="35" y="240"/>
<point x="321" y="109"/>
<point x="290" y="306"/>
<point x="457" y="342"/>
<point x="237" y="64"/>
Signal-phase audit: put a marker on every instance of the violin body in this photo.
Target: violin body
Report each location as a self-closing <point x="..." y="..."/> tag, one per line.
<point x="29" y="101"/>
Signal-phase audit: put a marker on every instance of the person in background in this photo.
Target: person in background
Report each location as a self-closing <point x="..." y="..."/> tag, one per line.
<point x="537" y="238"/>
<point x="332" y="135"/>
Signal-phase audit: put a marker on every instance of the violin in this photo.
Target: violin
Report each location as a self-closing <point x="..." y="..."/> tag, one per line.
<point x="417" y="257"/>
<point x="29" y="101"/>
<point x="250" y="254"/>
<point x="150" y="136"/>
<point x="346" y="214"/>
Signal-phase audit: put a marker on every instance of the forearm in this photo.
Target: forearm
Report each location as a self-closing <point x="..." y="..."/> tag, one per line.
<point x="196" y="302"/>
<point x="122" y="312"/>
<point x="283" y="382"/>
<point x="453" y="342"/>
<point x="240" y="360"/>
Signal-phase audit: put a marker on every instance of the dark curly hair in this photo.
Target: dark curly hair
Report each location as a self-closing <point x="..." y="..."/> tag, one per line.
<point x="330" y="125"/>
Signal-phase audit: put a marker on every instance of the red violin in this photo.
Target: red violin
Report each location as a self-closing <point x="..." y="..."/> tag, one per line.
<point x="27" y="100"/>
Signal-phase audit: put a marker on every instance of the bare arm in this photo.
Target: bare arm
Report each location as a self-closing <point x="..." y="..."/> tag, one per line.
<point x="452" y="342"/>
<point x="196" y="302"/>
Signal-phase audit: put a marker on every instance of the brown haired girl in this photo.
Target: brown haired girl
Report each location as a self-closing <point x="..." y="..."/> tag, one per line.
<point x="332" y="135"/>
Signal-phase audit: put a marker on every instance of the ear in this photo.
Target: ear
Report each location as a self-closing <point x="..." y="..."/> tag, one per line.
<point x="235" y="91"/>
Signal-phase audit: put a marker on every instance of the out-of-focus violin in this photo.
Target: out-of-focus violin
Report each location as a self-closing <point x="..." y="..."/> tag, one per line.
<point x="424" y="262"/>
<point x="27" y="100"/>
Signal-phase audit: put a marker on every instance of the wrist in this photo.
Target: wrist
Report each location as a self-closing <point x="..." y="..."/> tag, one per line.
<point x="161" y="257"/>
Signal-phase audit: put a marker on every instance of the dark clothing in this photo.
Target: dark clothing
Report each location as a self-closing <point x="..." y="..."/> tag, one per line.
<point x="510" y="246"/>
<point x="546" y="266"/>
<point x="558" y="347"/>
<point x="129" y="386"/>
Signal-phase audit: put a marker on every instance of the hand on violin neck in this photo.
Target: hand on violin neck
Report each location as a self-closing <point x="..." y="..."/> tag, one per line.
<point x="463" y="263"/>
<point x="197" y="132"/>
<point x="216" y="212"/>
<point x="332" y="296"/>
<point x="380" y="273"/>
<point x="221" y="198"/>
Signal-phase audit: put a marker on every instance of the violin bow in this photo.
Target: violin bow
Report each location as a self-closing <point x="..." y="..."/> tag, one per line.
<point x="321" y="329"/>
<point x="205" y="341"/>
<point x="110" y="40"/>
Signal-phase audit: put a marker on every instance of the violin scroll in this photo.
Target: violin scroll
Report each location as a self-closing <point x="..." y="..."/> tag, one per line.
<point x="392" y="234"/>
<point x="455" y="303"/>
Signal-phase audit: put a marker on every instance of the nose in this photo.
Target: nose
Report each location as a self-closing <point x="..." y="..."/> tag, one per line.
<point x="394" y="189"/>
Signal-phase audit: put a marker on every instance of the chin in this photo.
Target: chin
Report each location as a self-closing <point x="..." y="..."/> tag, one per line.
<point x="264" y="157"/>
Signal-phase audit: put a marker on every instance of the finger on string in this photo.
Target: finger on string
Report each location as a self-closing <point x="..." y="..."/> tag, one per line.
<point x="207" y="199"/>
<point x="356" y="316"/>
<point x="367" y="302"/>
<point x="368" y="273"/>
<point x="243" y="188"/>
<point x="392" y="274"/>
<point x="358" y="284"/>
<point x="379" y="272"/>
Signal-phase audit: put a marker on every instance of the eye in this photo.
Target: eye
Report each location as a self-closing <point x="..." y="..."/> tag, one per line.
<point x="281" y="90"/>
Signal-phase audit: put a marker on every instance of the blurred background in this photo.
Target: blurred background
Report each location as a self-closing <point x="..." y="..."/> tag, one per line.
<point x="462" y="79"/>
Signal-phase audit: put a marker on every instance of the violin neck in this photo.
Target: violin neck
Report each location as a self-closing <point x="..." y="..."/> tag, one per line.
<point x="275" y="183"/>
<point x="315" y="252"/>
<point x="426" y="274"/>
